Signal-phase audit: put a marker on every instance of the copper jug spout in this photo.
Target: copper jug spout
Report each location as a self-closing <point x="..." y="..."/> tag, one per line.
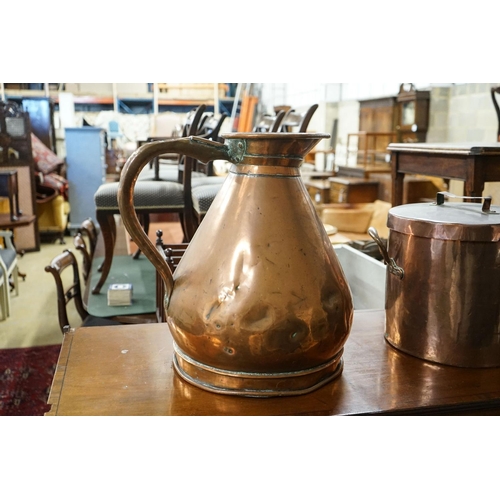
<point x="258" y="305"/>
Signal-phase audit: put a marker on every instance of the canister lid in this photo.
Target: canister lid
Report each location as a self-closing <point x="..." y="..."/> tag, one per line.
<point x="447" y="221"/>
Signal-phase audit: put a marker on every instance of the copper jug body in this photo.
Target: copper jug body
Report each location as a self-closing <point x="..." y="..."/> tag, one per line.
<point x="258" y="305"/>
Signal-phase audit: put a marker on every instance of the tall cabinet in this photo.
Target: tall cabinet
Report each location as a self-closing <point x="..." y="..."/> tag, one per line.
<point x="86" y="170"/>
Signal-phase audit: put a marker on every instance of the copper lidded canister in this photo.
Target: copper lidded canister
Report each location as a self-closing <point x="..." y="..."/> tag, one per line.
<point x="258" y="305"/>
<point x="443" y="281"/>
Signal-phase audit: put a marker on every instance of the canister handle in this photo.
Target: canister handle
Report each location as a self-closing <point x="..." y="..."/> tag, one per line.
<point x="440" y="198"/>
<point x="391" y="263"/>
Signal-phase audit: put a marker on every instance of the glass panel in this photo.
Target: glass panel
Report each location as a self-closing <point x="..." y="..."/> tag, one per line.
<point x="408" y="113"/>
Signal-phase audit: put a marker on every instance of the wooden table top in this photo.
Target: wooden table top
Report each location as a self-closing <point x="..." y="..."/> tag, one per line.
<point x="464" y="148"/>
<point x="127" y="370"/>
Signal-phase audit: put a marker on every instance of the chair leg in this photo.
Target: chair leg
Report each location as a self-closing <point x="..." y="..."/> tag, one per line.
<point x="15" y="278"/>
<point x="3" y="300"/>
<point x="108" y="229"/>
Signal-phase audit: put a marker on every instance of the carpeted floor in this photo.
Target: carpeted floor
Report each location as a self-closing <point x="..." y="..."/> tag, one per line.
<point x="30" y="338"/>
<point x="25" y="379"/>
<point x="33" y="319"/>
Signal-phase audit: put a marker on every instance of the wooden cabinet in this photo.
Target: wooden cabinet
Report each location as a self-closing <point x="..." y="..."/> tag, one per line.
<point x="86" y="170"/>
<point x="41" y="111"/>
<point x="16" y="156"/>
<point x="378" y="115"/>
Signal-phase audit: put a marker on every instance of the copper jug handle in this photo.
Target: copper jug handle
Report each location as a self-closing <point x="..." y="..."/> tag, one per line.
<point x="193" y="147"/>
<point x="390" y="262"/>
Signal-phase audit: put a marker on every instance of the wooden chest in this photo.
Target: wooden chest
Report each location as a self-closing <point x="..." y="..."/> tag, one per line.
<point x="352" y="190"/>
<point x="319" y="190"/>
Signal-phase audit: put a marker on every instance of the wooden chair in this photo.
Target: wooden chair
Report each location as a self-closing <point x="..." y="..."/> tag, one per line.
<point x="198" y="179"/>
<point x="8" y="270"/>
<point x="67" y="293"/>
<point x="270" y="123"/>
<point x="168" y="167"/>
<point x="85" y="241"/>
<point x="89" y="230"/>
<point x="495" y="95"/>
<point x="81" y="246"/>
<point x="298" y="122"/>
<point x="150" y="197"/>
<point x="173" y="254"/>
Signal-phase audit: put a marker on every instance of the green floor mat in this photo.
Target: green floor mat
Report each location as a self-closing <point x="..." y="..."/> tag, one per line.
<point x="140" y="272"/>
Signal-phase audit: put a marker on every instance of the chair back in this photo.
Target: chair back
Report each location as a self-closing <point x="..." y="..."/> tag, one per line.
<point x="293" y="120"/>
<point x="495" y="95"/>
<point x="88" y="229"/>
<point x="211" y="127"/>
<point x="270" y="123"/>
<point x="66" y="290"/>
<point x="81" y="246"/>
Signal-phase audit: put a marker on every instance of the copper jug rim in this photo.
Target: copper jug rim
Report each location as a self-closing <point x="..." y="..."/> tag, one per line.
<point x="274" y="135"/>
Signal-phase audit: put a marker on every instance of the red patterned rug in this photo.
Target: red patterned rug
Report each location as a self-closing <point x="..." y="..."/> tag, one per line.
<point x="25" y="379"/>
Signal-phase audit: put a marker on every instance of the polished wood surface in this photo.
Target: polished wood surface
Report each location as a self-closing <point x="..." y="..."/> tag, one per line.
<point x="127" y="370"/>
<point x="352" y="190"/>
<point x="474" y="164"/>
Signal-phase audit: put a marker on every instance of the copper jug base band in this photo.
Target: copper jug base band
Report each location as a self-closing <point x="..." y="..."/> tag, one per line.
<point x="259" y="385"/>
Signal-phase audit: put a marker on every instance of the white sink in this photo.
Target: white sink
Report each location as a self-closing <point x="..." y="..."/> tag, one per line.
<point x="365" y="275"/>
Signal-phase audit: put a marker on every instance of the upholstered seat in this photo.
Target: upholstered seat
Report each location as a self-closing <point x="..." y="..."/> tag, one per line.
<point x="203" y="196"/>
<point x="154" y="195"/>
<point x="149" y="197"/>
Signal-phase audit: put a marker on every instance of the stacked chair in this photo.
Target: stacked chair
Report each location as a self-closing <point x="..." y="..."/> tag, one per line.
<point x="68" y="291"/>
<point x="164" y="192"/>
<point x="85" y="242"/>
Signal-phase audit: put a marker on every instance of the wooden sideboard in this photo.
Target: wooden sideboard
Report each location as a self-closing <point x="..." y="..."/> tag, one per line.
<point x="127" y="370"/>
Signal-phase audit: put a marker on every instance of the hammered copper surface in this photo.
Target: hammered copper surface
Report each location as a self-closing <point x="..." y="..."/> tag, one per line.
<point x="259" y="289"/>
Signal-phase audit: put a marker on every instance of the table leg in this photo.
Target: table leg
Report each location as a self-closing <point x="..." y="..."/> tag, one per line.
<point x="474" y="183"/>
<point x="397" y="181"/>
<point x="107" y="222"/>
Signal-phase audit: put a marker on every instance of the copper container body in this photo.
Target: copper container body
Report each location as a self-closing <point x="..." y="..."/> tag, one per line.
<point x="446" y="308"/>
<point x="259" y="305"/>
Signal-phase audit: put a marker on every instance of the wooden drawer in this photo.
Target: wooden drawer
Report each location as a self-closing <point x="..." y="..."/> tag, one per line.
<point x="319" y="190"/>
<point x="352" y="190"/>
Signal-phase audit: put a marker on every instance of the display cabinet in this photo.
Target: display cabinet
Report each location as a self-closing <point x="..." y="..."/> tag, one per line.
<point x="16" y="156"/>
<point x="412" y="113"/>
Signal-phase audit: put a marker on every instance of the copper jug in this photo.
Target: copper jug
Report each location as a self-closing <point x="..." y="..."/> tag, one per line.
<point x="258" y="305"/>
